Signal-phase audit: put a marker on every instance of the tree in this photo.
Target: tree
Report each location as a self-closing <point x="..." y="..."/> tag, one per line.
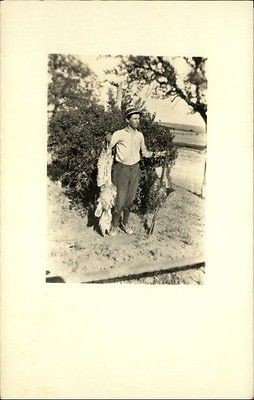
<point x="77" y="127"/>
<point x="71" y="83"/>
<point x="161" y="73"/>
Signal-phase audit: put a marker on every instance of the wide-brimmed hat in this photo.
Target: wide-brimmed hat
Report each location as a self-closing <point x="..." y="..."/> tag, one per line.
<point x="132" y="110"/>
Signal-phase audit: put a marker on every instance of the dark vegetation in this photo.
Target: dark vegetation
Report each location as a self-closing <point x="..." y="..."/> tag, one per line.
<point x="77" y="124"/>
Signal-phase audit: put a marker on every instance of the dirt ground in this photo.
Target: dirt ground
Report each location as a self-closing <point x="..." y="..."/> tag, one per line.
<point x="76" y="249"/>
<point x="188" y="171"/>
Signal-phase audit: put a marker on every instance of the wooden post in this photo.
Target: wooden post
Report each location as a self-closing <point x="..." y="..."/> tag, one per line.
<point x="204" y="181"/>
<point x="119" y="95"/>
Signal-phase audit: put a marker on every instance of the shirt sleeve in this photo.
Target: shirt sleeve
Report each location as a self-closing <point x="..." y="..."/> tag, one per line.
<point x="114" y="139"/>
<point x="144" y="150"/>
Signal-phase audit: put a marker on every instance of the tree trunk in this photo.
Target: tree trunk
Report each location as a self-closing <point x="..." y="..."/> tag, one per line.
<point x="197" y="107"/>
<point x="119" y="96"/>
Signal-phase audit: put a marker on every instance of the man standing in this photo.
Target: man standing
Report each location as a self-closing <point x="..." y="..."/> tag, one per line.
<point x="129" y="142"/>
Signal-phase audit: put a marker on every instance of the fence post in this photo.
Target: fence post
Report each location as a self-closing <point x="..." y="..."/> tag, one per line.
<point x="204" y="181"/>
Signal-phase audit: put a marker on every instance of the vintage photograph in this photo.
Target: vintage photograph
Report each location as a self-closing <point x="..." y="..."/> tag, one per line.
<point x="126" y="169"/>
<point x="127" y="200"/>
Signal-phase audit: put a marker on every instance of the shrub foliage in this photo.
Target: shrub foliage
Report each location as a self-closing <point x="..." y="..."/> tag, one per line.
<point x="76" y="134"/>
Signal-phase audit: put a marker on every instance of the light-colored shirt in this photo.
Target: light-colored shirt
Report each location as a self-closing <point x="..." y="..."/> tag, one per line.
<point x="129" y="143"/>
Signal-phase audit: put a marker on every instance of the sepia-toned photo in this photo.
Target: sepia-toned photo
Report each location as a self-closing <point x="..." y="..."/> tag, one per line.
<point x="126" y="169"/>
<point x="126" y="201"/>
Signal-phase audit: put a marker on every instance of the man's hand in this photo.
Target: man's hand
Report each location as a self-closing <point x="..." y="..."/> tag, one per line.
<point x="160" y="153"/>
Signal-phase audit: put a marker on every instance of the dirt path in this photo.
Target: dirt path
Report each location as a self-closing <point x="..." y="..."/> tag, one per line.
<point x="188" y="170"/>
<point x="76" y="249"/>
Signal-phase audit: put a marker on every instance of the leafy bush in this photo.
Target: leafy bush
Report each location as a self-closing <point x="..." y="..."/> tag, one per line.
<point x="157" y="138"/>
<point x="76" y="137"/>
<point x="75" y="141"/>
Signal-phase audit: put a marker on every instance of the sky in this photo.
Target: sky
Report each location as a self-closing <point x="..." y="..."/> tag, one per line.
<point x="177" y="112"/>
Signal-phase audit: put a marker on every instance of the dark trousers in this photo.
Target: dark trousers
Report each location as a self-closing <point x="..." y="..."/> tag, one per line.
<point x="126" y="180"/>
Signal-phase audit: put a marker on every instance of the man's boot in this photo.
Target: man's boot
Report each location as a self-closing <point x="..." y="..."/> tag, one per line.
<point x="125" y="222"/>
<point x="115" y="223"/>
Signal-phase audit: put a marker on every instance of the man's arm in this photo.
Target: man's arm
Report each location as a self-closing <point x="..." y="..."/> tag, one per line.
<point x="112" y="139"/>
<point x="144" y="150"/>
<point x="147" y="153"/>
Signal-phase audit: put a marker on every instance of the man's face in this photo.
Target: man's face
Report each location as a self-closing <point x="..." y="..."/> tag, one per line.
<point x="133" y="121"/>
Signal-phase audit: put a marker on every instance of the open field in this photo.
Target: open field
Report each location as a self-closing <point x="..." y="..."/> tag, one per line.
<point x="184" y="128"/>
<point x="193" y="141"/>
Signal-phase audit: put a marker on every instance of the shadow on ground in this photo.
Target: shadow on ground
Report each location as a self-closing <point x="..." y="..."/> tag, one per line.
<point x="54" y="279"/>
